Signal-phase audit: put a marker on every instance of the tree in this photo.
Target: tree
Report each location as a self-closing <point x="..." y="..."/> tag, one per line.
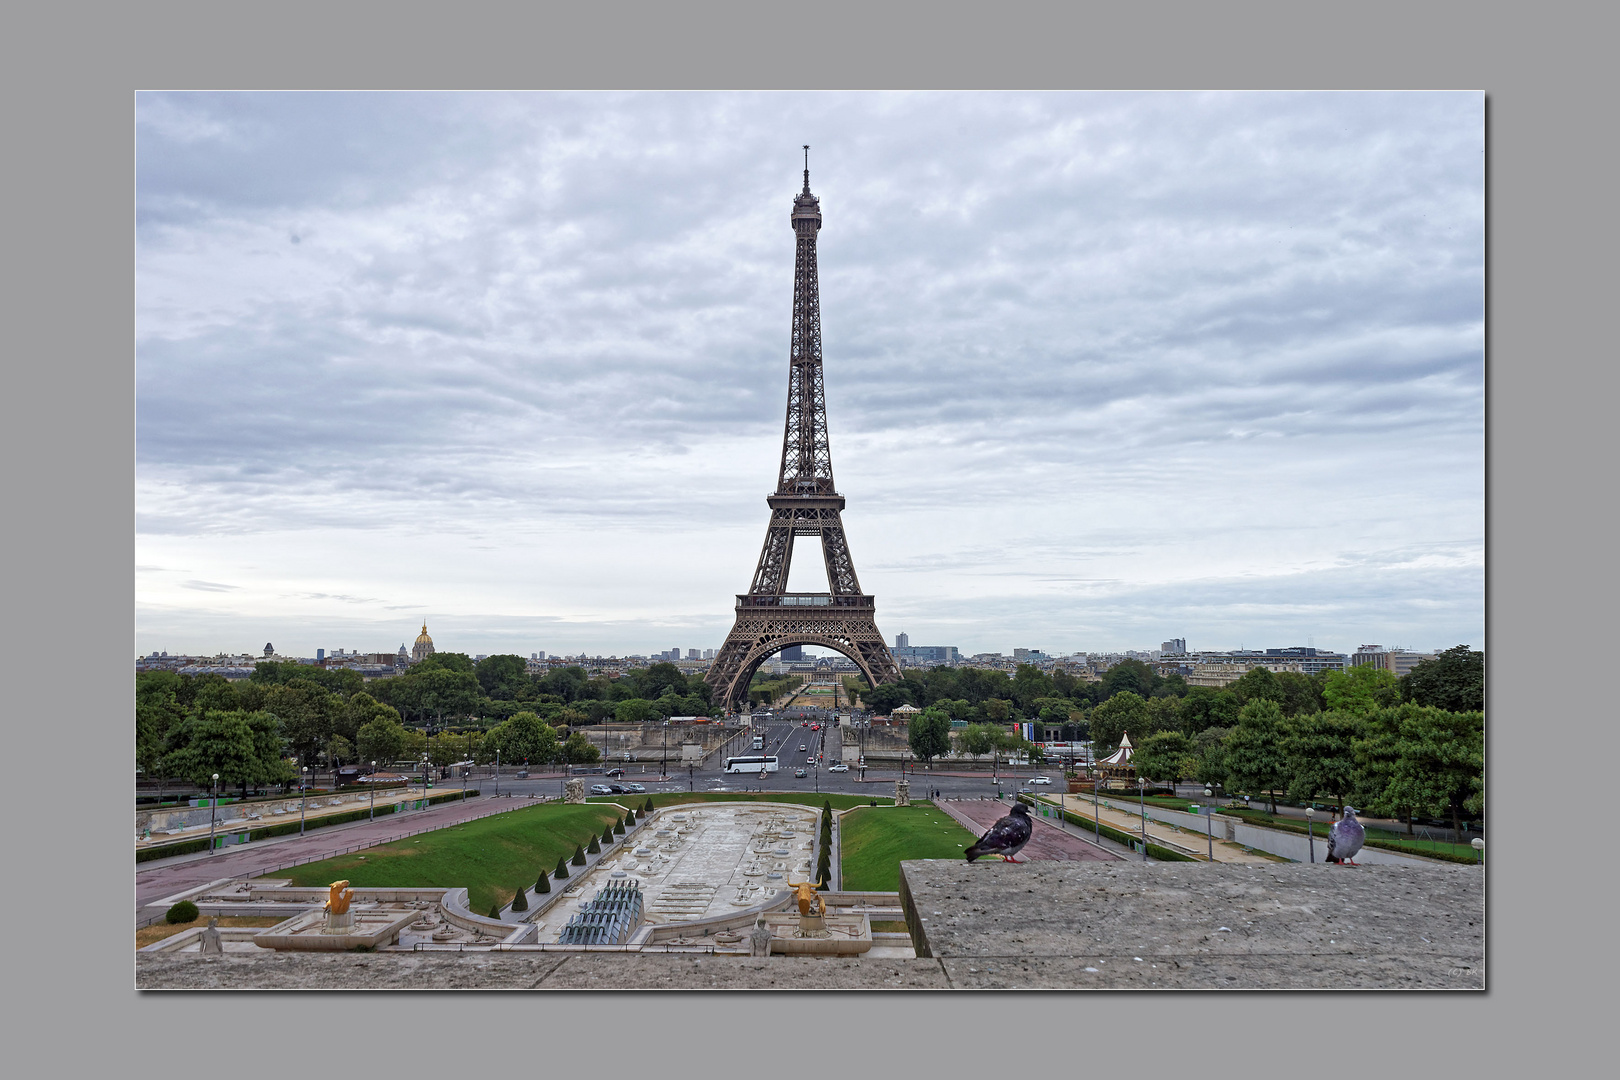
<point x="1125" y="711"/>
<point x="1210" y="745"/>
<point x="359" y="711"/>
<point x="227" y="743"/>
<point x="1301" y="694"/>
<point x="1257" y="684"/>
<point x="635" y="711"/>
<point x="1253" y="751"/>
<point x="1320" y="748"/>
<point x="504" y="677"/>
<point x="1361" y="690"/>
<point x="382" y="739"/>
<point x="1129" y="675"/>
<point x="339" y="750"/>
<point x="1440" y="759"/>
<point x="886" y="698"/>
<point x="306" y="712"/>
<point x="1166" y="755"/>
<point x="542" y="884"/>
<point x="520" y="902"/>
<point x="579" y="751"/>
<point x="978" y="739"/>
<point x="929" y="733"/>
<point x="525" y="737"/>
<point x="1454" y="680"/>
<point x="1208" y="707"/>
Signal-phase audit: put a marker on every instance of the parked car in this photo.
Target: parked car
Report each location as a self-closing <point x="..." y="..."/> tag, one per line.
<point x="618" y="789"/>
<point x="601" y="789"/>
<point x="1041" y="780"/>
<point x="840" y="767"/>
<point x="523" y="774"/>
<point x="799" y="773"/>
<point x="615" y="772"/>
<point x="635" y="787"/>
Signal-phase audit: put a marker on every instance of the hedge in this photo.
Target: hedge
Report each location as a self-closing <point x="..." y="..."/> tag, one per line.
<point x="200" y="843"/>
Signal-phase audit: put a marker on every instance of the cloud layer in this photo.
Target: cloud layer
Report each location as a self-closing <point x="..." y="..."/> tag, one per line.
<point x="1102" y="369"/>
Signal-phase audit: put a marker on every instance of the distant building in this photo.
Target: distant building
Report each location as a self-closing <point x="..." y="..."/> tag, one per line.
<point x="792" y="653"/>
<point x="901" y="641"/>
<point x="926" y="654"/>
<point x="423" y="647"/>
<point x="1174" y="645"/>
<point x="1399" y="661"/>
<point x="694" y="654"/>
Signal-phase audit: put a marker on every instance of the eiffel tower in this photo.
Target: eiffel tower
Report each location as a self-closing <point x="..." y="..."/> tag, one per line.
<point x="769" y="618"/>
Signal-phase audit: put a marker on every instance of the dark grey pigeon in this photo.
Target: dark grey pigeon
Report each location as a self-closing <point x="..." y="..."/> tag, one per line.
<point x="1346" y="838"/>
<point x="1006" y="837"/>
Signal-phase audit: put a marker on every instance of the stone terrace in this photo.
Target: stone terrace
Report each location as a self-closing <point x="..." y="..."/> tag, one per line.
<point x="1056" y="925"/>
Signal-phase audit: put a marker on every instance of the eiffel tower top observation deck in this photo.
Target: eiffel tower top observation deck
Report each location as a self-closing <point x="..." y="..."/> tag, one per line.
<point x="806" y="503"/>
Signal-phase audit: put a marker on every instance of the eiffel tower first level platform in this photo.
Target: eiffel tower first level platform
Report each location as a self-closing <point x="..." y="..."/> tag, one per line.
<point x="805" y="504"/>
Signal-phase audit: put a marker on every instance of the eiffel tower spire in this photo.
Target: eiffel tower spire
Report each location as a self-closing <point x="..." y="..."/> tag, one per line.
<point x="806" y="503"/>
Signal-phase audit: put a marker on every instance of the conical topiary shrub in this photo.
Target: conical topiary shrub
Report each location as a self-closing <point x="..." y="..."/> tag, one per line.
<point x="607" y="833"/>
<point x="618" y="828"/>
<point x="629" y="819"/>
<point x="646" y="808"/>
<point x="595" y="847"/>
<point x="579" y="854"/>
<point x="520" y="902"/>
<point x="562" y="867"/>
<point x="542" y="884"/>
<point x="495" y="910"/>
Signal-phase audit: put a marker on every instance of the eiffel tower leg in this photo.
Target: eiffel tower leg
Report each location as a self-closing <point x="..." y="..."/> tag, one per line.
<point x="763" y="632"/>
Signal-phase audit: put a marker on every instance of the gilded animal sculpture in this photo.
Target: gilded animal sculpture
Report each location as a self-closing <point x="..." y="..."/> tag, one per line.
<point x="338" y="895"/>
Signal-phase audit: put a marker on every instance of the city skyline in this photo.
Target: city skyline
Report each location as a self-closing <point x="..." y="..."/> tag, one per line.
<point x="1101" y="368"/>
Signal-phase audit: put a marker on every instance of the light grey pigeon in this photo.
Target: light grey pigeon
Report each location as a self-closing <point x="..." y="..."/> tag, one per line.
<point x="1346" y="838"/>
<point x="1006" y="837"/>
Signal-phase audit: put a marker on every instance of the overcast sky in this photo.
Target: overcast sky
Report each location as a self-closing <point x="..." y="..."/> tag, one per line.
<point x="1101" y="369"/>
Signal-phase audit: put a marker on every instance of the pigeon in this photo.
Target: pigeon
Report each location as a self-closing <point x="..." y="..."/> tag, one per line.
<point x="1346" y="838"/>
<point x="1006" y="837"/>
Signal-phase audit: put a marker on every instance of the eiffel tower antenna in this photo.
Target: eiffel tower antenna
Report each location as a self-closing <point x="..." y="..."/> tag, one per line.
<point x="806" y="503"/>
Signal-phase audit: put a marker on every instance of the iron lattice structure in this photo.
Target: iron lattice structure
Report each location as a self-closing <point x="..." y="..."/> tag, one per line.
<point x="806" y="503"/>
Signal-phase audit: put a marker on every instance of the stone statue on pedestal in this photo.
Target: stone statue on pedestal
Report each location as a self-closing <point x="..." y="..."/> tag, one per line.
<point x="574" y="790"/>
<point x="902" y="793"/>
<point x="759" y="942"/>
<point x="211" y="943"/>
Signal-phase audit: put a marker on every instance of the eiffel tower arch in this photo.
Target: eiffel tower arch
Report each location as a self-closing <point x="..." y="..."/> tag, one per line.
<point x="806" y="503"/>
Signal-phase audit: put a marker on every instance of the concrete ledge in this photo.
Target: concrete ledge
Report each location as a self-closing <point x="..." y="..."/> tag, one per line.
<point x="1198" y="924"/>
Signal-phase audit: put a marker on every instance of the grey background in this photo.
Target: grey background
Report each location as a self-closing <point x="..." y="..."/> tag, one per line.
<point x="69" y="436"/>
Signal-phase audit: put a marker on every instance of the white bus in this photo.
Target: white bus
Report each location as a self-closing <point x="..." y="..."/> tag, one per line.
<point x="751" y="764"/>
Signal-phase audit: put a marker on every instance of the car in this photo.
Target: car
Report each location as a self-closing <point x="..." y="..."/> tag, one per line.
<point x="615" y="772"/>
<point x="601" y="789"/>
<point x="1041" y="780"/>
<point x="840" y="767"/>
<point x="799" y="773"/>
<point x="802" y="748"/>
<point x="635" y="787"/>
<point x="523" y="774"/>
<point x="618" y="789"/>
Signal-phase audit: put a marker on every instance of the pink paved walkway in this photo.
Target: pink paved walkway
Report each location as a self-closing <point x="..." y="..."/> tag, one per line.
<point x="1047" y="842"/>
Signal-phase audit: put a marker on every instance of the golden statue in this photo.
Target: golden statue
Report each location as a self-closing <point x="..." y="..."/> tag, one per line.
<point x="338" y="895"/>
<point x="808" y="900"/>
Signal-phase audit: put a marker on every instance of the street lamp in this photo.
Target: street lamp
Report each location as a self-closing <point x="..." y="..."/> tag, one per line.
<point x="1209" y="823"/>
<point x="213" y="805"/>
<point x="303" y="797"/>
<point x="373" y="792"/>
<point x="497" y="774"/>
<point x="1310" y="815"/>
<point x="1141" y="804"/>
<point x="1478" y="844"/>
<point x="424" y="777"/>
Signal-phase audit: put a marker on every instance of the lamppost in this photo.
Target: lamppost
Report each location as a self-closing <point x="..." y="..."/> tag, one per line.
<point x="303" y="797"/>
<point x="1478" y="844"/>
<point x="1096" y="815"/>
<point x="424" y="777"/>
<point x="1310" y="837"/>
<point x="691" y="777"/>
<point x="1209" y="823"/>
<point x="373" y="792"/>
<point x="497" y="774"/>
<point x="213" y="805"/>
<point x="1141" y="805"/>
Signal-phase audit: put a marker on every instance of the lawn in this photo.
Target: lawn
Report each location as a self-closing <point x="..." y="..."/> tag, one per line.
<point x="148" y="935"/>
<point x="875" y="840"/>
<point x="491" y="857"/>
<point x="681" y="798"/>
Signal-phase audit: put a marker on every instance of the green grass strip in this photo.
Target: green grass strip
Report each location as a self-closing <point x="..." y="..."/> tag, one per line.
<point x="490" y="856"/>
<point x="683" y="798"/>
<point x="873" y="841"/>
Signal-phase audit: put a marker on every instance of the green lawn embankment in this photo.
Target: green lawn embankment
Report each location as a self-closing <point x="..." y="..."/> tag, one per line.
<point x="491" y="857"/>
<point x="873" y="841"/>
